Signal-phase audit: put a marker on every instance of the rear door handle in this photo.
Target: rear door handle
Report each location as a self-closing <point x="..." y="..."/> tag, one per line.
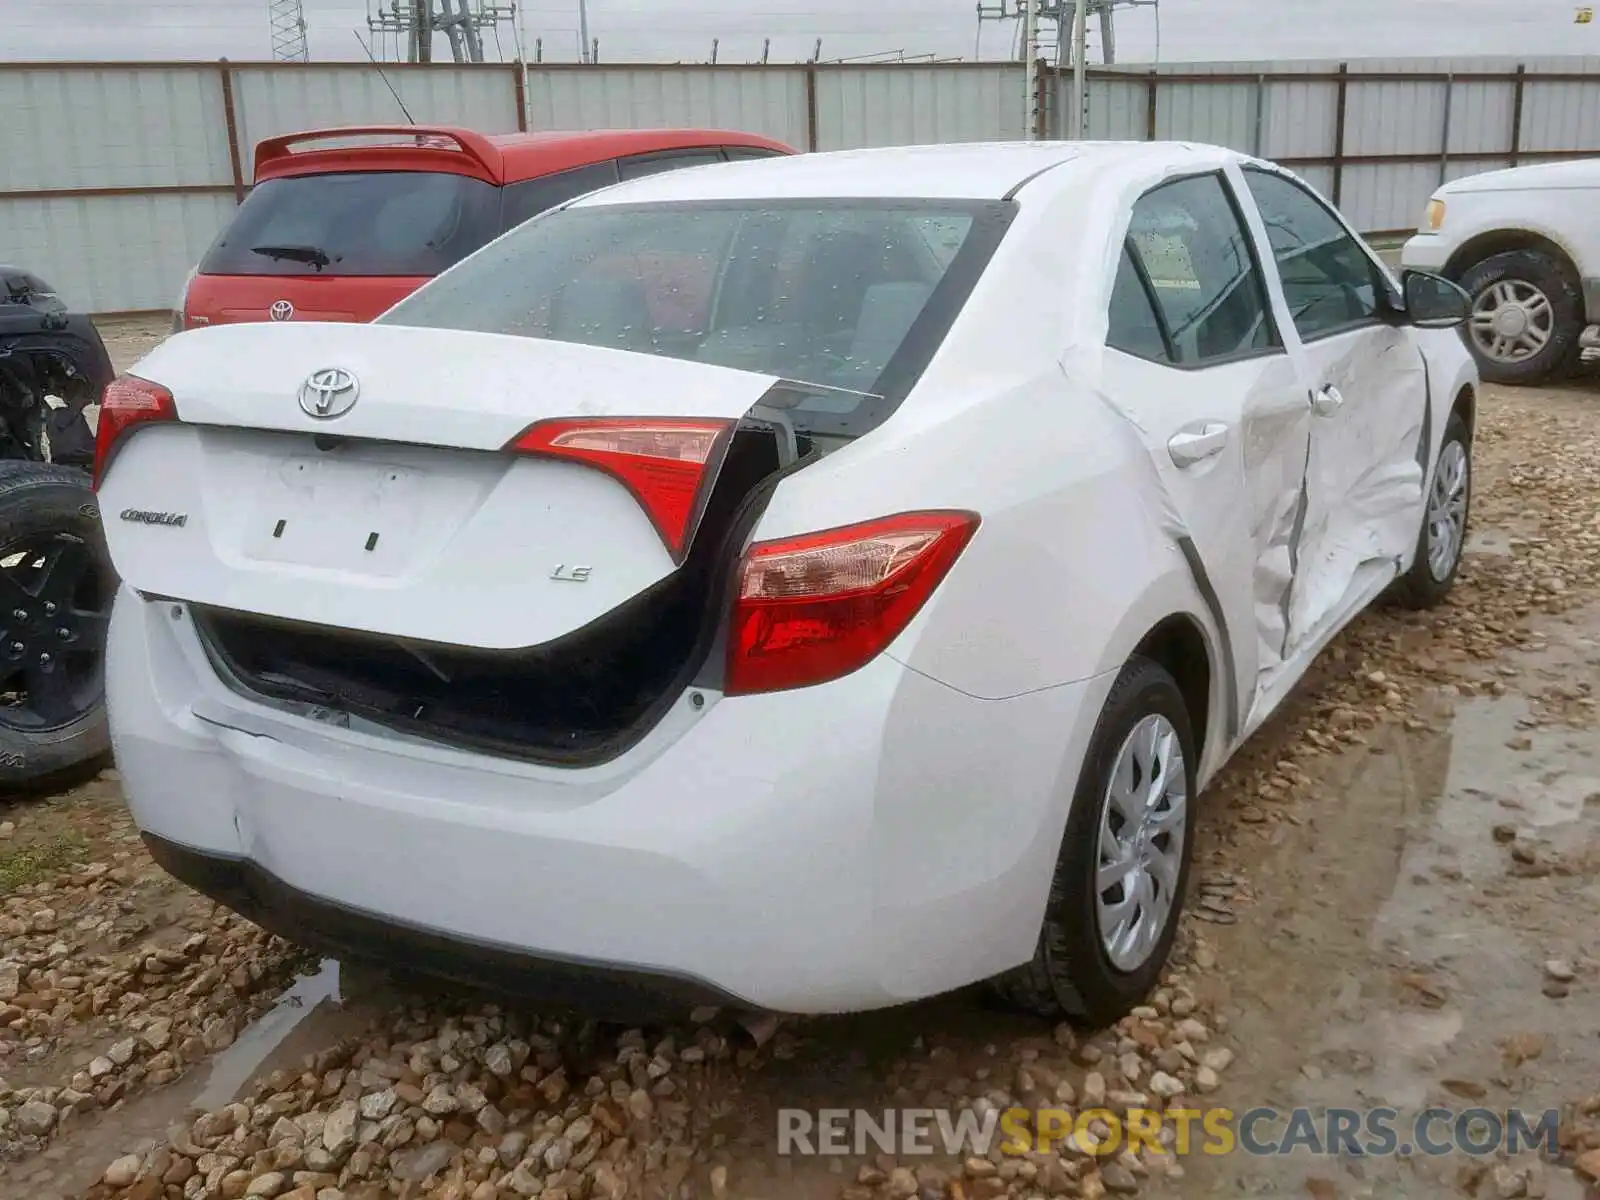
<point x="1196" y="443"/>
<point x="1327" y="401"/>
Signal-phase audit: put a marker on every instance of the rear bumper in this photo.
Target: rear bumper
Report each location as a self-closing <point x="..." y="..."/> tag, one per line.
<point x="354" y="936"/>
<point x="848" y="846"/>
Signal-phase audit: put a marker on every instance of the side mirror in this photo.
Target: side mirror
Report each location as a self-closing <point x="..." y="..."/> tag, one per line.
<point x="1433" y="302"/>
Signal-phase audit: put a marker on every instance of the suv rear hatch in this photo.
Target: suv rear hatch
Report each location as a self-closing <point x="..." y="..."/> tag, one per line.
<point x="339" y="246"/>
<point x="458" y="548"/>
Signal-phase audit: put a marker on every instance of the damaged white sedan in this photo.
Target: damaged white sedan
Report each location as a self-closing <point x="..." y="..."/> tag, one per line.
<point x="801" y="585"/>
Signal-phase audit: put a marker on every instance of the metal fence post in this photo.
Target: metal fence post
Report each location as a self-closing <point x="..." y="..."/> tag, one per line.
<point x="1444" y="140"/>
<point x="1152" y="98"/>
<point x="1342" y="105"/>
<point x="811" y="106"/>
<point x="1261" y="106"/>
<point x="231" y="117"/>
<point x="1519" y="87"/>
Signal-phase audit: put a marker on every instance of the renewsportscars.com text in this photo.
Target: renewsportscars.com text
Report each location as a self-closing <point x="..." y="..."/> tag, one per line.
<point x="1347" y="1132"/>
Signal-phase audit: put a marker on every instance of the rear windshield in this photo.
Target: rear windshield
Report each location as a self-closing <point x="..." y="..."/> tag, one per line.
<point x="849" y="299"/>
<point x="357" y="223"/>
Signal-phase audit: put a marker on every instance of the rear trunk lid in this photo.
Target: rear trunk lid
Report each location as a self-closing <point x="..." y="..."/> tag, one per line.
<point x="405" y="515"/>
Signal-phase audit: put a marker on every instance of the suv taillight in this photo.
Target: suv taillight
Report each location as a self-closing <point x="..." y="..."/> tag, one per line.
<point x="816" y="607"/>
<point x="664" y="461"/>
<point x="128" y="402"/>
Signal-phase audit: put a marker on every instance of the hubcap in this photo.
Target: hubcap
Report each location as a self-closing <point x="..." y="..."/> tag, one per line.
<point x="1142" y="819"/>
<point x="1447" y="510"/>
<point x="54" y="611"/>
<point x="1512" y="321"/>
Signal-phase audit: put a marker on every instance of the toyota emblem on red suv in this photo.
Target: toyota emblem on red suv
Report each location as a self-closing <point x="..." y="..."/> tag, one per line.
<point x="281" y="310"/>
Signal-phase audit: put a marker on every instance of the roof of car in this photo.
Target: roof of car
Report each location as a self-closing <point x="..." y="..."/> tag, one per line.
<point x="965" y="171"/>
<point x="496" y="158"/>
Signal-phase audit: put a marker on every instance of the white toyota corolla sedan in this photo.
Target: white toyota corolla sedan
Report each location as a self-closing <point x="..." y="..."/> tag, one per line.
<point x="802" y="585"/>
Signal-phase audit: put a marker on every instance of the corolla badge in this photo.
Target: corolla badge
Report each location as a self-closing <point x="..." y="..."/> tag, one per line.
<point x="330" y="392"/>
<point x="281" y="310"/>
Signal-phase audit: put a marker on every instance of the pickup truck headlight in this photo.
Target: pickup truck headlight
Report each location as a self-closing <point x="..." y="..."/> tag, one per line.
<point x="1434" y="216"/>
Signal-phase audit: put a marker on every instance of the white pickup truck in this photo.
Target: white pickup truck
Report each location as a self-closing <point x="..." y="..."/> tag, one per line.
<point x="1526" y="244"/>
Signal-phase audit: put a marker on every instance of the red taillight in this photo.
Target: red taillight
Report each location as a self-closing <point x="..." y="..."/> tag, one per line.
<point x="128" y="402"/>
<point x="818" y="606"/>
<point x="663" y="461"/>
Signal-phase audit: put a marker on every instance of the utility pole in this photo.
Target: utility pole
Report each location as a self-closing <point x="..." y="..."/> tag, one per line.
<point x="521" y="28"/>
<point x="1030" y="38"/>
<point x="583" y="28"/>
<point x="1080" y="56"/>
<point x="461" y="21"/>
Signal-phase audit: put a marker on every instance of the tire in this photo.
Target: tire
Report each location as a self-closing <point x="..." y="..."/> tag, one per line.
<point x="49" y="514"/>
<point x="1524" y="273"/>
<point x="1429" y="580"/>
<point x="1072" y="974"/>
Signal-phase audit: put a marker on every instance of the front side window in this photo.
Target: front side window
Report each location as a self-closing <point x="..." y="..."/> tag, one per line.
<point x="850" y="298"/>
<point x="1203" y="275"/>
<point x="1329" y="281"/>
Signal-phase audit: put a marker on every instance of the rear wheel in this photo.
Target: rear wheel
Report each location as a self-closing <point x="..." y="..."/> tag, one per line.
<point x="1527" y="316"/>
<point x="56" y="588"/>
<point x="1118" y="888"/>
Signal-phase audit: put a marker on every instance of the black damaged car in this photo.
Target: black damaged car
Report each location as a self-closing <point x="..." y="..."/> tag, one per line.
<point x="56" y="579"/>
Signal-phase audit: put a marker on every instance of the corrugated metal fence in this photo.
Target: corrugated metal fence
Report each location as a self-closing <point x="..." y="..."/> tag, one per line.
<point x="114" y="177"/>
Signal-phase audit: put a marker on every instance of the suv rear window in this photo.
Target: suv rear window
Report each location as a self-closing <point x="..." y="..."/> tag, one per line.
<point x="848" y="299"/>
<point x="357" y="223"/>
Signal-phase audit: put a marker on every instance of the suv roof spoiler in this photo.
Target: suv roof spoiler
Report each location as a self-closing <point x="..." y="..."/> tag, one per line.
<point x="413" y="146"/>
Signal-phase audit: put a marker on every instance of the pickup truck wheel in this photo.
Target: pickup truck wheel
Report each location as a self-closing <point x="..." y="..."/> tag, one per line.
<point x="1527" y="317"/>
<point x="56" y="588"/>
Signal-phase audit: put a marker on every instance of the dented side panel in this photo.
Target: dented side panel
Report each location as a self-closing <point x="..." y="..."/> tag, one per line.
<point x="1364" y="482"/>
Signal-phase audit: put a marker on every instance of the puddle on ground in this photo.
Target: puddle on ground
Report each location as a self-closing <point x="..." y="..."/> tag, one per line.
<point x="1496" y="542"/>
<point x="314" y="1013"/>
<point x="270" y="1037"/>
<point x="1407" y="1000"/>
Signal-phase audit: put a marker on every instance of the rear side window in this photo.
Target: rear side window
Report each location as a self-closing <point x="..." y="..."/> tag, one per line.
<point x="739" y="153"/>
<point x="1133" y="326"/>
<point x="357" y="223"/>
<point x="641" y="165"/>
<point x="1203" y="275"/>
<point x="524" y="201"/>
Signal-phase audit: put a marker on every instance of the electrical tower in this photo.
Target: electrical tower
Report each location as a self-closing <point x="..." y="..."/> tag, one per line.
<point x="288" y="19"/>
<point x="416" y="22"/>
<point x="1052" y="25"/>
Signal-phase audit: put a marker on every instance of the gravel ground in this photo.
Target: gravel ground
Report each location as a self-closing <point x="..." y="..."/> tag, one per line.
<point x="1394" y="904"/>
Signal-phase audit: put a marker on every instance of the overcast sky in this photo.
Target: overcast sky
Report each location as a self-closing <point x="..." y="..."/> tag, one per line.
<point x="654" y="30"/>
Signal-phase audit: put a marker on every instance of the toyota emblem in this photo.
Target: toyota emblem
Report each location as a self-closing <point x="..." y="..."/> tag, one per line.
<point x="281" y="310"/>
<point x="330" y="392"/>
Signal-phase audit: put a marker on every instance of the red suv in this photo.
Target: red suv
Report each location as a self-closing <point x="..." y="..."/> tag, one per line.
<point x="341" y="232"/>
